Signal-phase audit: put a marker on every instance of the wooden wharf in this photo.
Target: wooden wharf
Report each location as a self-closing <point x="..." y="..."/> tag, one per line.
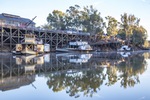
<point x="10" y="36"/>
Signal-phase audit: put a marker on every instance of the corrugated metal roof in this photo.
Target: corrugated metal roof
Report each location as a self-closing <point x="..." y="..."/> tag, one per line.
<point x="16" y="18"/>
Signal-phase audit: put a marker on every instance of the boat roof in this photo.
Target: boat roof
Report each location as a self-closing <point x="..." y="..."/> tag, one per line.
<point x="28" y="43"/>
<point x="78" y="43"/>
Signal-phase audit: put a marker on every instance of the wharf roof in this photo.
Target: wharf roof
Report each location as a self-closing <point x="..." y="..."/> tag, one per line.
<point x="10" y="17"/>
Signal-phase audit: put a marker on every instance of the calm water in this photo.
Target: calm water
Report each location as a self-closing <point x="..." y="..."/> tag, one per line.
<point x="97" y="76"/>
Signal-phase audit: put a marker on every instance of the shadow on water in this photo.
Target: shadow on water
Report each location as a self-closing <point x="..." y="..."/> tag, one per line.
<point x="75" y="73"/>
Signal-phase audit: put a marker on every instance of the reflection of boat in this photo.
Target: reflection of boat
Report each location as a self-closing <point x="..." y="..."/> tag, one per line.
<point x="30" y="62"/>
<point x="83" y="58"/>
<point x="22" y="60"/>
<point x="75" y="58"/>
<point x="80" y="46"/>
<point x="31" y="45"/>
<point x="125" y="54"/>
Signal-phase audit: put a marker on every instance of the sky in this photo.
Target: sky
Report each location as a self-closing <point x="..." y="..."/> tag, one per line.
<point x="41" y="8"/>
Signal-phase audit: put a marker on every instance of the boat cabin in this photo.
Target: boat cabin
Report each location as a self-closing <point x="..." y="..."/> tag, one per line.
<point x="30" y="45"/>
<point x="125" y="48"/>
<point x="81" y="45"/>
<point x="30" y="38"/>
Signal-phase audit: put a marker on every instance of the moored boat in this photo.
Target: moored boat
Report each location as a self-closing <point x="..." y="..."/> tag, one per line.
<point x="76" y="46"/>
<point x="31" y="45"/>
<point x="125" y="48"/>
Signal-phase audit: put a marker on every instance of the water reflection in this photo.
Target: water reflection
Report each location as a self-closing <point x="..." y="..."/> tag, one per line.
<point x="74" y="58"/>
<point x="29" y="63"/>
<point x="77" y="74"/>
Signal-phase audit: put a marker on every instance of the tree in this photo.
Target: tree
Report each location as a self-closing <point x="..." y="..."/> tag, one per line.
<point x="92" y="21"/>
<point x="128" y="23"/>
<point x="112" y="28"/>
<point x="139" y="36"/>
<point x="56" y="19"/>
<point x="121" y="34"/>
<point x="73" y="17"/>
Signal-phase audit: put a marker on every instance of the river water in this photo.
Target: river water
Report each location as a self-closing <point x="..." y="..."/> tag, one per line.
<point x="73" y="76"/>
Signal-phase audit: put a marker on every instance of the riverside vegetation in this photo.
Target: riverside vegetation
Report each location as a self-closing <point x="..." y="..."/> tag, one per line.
<point x="89" y="20"/>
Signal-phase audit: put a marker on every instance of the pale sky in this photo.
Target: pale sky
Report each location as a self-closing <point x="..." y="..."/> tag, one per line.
<point x="41" y="8"/>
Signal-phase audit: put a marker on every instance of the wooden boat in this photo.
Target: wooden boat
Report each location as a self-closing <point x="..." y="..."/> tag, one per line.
<point x="76" y="46"/>
<point x="31" y="46"/>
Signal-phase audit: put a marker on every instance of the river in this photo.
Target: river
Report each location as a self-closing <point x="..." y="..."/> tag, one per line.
<point x="75" y="76"/>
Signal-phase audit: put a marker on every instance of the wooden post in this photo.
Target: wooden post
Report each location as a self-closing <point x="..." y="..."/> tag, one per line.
<point x="10" y="39"/>
<point x="2" y="32"/>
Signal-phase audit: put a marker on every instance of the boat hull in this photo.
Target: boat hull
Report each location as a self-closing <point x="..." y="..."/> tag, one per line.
<point x="72" y="50"/>
<point x="29" y="52"/>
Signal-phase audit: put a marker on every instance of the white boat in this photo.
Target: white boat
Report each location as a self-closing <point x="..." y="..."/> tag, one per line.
<point x="80" y="46"/>
<point x="125" y="48"/>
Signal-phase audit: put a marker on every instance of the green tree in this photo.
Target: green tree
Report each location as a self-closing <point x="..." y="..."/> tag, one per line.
<point x="112" y="27"/>
<point x="73" y="17"/>
<point x="92" y="21"/>
<point x="121" y="34"/>
<point x="128" y="23"/>
<point x="139" y="36"/>
<point x="56" y="19"/>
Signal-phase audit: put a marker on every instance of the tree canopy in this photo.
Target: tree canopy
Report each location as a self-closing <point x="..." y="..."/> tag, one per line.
<point x="90" y="20"/>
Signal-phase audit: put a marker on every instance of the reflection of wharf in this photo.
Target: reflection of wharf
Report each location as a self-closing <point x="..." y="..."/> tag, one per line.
<point x="13" y="76"/>
<point x="24" y="68"/>
<point x="22" y="65"/>
<point x="48" y="63"/>
<point x="10" y="83"/>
